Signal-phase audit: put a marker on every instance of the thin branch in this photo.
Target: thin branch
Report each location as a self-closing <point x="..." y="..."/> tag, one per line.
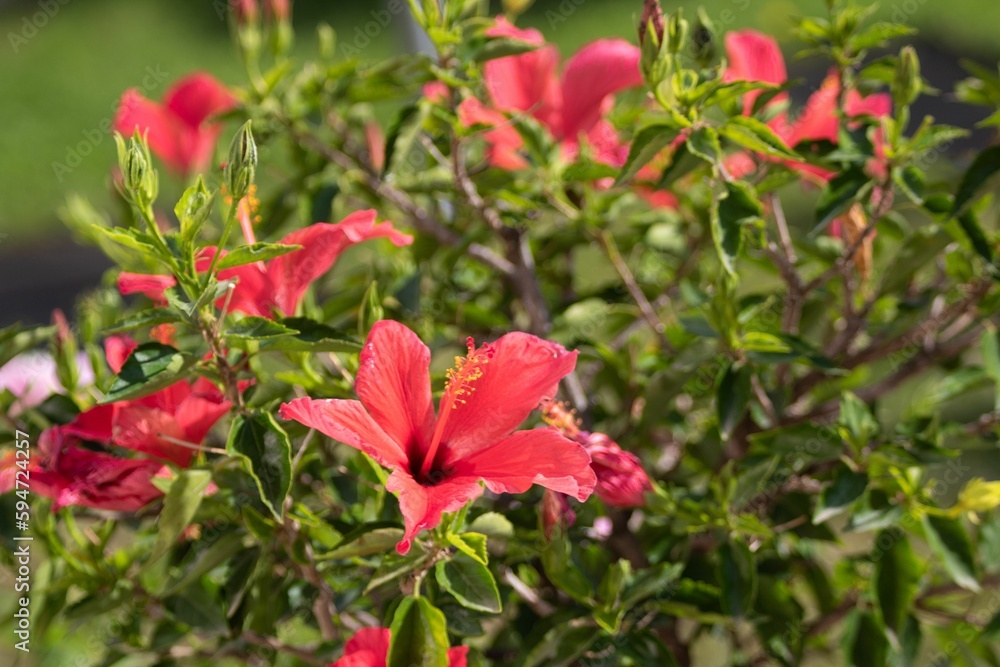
<point x="646" y="308"/>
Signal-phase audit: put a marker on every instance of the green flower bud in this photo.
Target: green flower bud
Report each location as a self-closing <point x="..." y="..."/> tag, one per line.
<point x="139" y="178"/>
<point x="242" y="163"/>
<point x="907" y="85"/>
<point x="676" y="33"/>
<point x="516" y="7"/>
<point x="703" y="39"/>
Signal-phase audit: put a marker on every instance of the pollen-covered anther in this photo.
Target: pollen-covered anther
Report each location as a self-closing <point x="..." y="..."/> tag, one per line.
<point x="461" y="379"/>
<point x="558" y="415"/>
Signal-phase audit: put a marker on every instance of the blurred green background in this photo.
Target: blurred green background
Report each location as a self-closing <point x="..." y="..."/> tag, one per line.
<point x="63" y="68"/>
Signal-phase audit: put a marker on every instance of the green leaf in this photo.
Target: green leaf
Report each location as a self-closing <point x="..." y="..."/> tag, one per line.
<point x="704" y="142"/>
<point x="563" y="645"/>
<point x="983" y="167"/>
<point x="151" y="367"/>
<point x="866" y="642"/>
<point x="970" y="225"/>
<point x="839" y="193"/>
<point x="402" y="135"/>
<point x="732" y="398"/>
<point x="419" y="635"/>
<point x="646" y="145"/>
<point x="472" y="545"/>
<point x="193" y="209"/>
<point x="897" y="575"/>
<point x="253" y="328"/>
<point x="265" y="447"/>
<point x="858" y="426"/>
<point x="221" y="551"/>
<point x="949" y="541"/>
<point x="989" y="346"/>
<point x="470" y="582"/>
<point x="738" y="206"/>
<point x="312" y="336"/>
<point x="181" y="502"/>
<point x="752" y="134"/>
<point x="371" y="538"/>
<point x="737" y="574"/>
<point x="847" y="487"/>
<point x="258" y="252"/>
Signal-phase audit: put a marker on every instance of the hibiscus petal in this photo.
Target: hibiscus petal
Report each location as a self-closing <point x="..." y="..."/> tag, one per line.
<point x="369" y="639"/>
<point x="754" y="56"/>
<point x="197" y="97"/>
<point x="140" y="429"/>
<point x="151" y="285"/>
<point x="422" y="506"/>
<point x="818" y="120"/>
<point x="504" y="141"/>
<point x="322" y="243"/>
<point x="94" y="424"/>
<point x="347" y="422"/>
<point x="197" y="415"/>
<point x="526" y="82"/>
<point x="594" y="73"/>
<point x="524" y="370"/>
<point x="161" y="127"/>
<point x="538" y="456"/>
<point x="117" y="349"/>
<point x="458" y="656"/>
<point x="394" y="385"/>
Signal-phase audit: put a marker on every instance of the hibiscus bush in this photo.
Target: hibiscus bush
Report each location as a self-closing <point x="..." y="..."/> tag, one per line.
<point x="486" y="356"/>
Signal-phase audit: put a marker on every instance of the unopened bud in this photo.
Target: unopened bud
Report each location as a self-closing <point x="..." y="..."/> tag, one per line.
<point x="703" y="39"/>
<point x="676" y="32"/>
<point x="135" y="162"/>
<point x="516" y="7"/>
<point x="64" y="351"/>
<point x="241" y="167"/>
<point x="556" y="513"/>
<point x="621" y="479"/>
<point x="651" y="22"/>
<point x="279" y="10"/>
<point x="245" y="11"/>
<point x="906" y="86"/>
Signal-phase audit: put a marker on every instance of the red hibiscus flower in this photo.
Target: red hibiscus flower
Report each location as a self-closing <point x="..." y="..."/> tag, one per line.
<point x="369" y="647"/>
<point x="438" y="461"/>
<point x="179" y="130"/>
<point x="264" y="288"/>
<point x="756" y="57"/>
<point x="152" y="426"/>
<point x="571" y="106"/>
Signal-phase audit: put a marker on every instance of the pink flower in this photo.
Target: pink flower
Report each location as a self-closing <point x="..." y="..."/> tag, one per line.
<point x="439" y="461"/>
<point x="71" y="474"/>
<point x="756" y="57"/>
<point x="264" y="288"/>
<point x="369" y="647"/>
<point x="179" y="130"/>
<point x="31" y="377"/>
<point x="572" y="106"/>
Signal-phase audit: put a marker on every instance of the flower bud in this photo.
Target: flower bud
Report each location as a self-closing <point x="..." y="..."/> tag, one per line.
<point x="516" y="7"/>
<point x="556" y="513"/>
<point x="849" y="227"/>
<point x="245" y="12"/>
<point x="676" y="32"/>
<point x="279" y="10"/>
<point x="64" y="352"/>
<point x="621" y="479"/>
<point x="241" y="166"/>
<point x="907" y="85"/>
<point x="135" y="162"/>
<point x="650" y="38"/>
<point x="703" y="39"/>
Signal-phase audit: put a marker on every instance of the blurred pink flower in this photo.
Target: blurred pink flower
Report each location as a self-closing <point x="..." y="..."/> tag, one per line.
<point x="369" y="647"/>
<point x="180" y="130"/>
<point x="32" y="378"/>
